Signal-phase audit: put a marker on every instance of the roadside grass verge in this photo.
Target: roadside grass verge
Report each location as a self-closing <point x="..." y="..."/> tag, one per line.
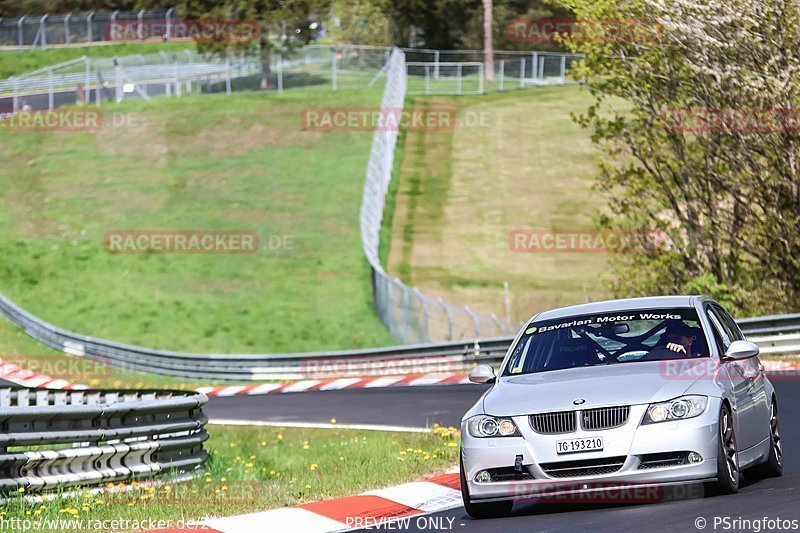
<point x="463" y="190"/>
<point x="203" y="162"/>
<point x="255" y="469"/>
<point x="17" y="62"/>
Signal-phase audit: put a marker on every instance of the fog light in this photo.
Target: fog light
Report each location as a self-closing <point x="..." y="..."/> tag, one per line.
<point x="483" y="477"/>
<point x="695" y="457"/>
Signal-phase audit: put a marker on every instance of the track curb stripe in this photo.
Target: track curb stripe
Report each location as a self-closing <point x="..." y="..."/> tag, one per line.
<point x="376" y="507"/>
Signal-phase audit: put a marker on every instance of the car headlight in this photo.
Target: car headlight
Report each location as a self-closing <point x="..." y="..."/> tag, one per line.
<point x="677" y="409"/>
<point x="492" y="426"/>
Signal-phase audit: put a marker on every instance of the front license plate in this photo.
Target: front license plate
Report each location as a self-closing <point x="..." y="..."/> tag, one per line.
<point x="579" y="445"/>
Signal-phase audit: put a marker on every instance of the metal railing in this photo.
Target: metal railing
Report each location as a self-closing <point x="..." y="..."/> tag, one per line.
<point x="114" y="435"/>
<point x="419" y="358"/>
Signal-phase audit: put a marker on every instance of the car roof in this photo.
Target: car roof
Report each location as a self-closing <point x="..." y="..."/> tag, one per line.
<point x="650" y="302"/>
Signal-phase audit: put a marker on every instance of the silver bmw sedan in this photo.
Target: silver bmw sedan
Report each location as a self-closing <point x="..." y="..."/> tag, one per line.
<point x="643" y="393"/>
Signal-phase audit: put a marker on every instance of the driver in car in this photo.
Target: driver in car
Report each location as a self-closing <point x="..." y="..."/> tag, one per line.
<point x="675" y="343"/>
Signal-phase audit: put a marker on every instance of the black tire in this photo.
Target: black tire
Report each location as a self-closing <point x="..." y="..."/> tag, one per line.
<point x="774" y="465"/>
<point x="482" y="510"/>
<point x="727" y="456"/>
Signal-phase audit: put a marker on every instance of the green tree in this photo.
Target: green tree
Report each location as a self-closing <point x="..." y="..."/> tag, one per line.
<point x="725" y="192"/>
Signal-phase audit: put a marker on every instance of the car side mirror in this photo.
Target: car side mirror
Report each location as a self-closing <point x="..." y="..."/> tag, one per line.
<point x="482" y="374"/>
<point x="741" y="350"/>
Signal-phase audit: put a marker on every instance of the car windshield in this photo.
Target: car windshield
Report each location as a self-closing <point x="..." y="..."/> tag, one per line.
<point x="608" y="338"/>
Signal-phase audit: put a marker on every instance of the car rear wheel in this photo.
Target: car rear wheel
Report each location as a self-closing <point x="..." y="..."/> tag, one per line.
<point x="774" y="465"/>
<point x="727" y="456"/>
<point x="482" y="510"/>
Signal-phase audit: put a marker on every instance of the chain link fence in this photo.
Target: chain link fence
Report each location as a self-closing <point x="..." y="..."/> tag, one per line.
<point x="408" y="313"/>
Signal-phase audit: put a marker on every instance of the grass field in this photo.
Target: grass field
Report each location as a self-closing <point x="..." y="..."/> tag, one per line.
<point x="207" y="163"/>
<point x="255" y="469"/>
<point x="16" y="62"/>
<point x="462" y="191"/>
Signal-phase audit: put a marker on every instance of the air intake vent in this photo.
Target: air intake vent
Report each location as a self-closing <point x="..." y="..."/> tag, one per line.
<point x="660" y="460"/>
<point x="604" y="417"/>
<point x="553" y="423"/>
<point x="590" y="467"/>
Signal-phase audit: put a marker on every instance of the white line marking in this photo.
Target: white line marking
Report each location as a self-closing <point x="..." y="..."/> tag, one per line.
<point x="289" y="519"/>
<point x="421" y="495"/>
<point x="316" y="425"/>
<point x="264" y="388"/>
<point x="429" y="379"/>
<point x="300" y="386"/>
<point x="231" y="391"/>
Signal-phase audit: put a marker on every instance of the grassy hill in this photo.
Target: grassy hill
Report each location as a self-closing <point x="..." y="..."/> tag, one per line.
<point x="462" y="191"/>
<point x="205" y="162"/>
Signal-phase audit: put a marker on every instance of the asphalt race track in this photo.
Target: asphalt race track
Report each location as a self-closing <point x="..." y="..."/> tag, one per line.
<point x="393" y="406"/>
<point x="777" y="498"/>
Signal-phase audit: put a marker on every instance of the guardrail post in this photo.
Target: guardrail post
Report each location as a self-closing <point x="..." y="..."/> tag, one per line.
<point x="541" y="69"/>
<point x="563" y="70"/>
<point x="522" y="74"/>
<point x="427" y="79"/>
<point x="228" y="75"/>
<point x="458" y="79"/>
<point x="50" y="95"/>
<point x="501" y="85"/>
<point x="436" y="64"/>
<point x="14" y="94"/>
<point x="534" y="64"/>
<point x="481" y="74"/>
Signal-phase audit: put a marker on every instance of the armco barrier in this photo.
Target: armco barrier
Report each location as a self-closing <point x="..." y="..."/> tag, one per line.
<point x="410" y="359"/>
<point x="115" y="436"/>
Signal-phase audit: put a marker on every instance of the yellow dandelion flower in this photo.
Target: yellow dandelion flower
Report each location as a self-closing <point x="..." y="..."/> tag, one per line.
<point x="333" y="420"/>
<point x="314" y="466"/>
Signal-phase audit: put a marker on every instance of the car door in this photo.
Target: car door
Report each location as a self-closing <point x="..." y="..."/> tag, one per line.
<point x="753" y="372"/>
<point x="743" y="387"/>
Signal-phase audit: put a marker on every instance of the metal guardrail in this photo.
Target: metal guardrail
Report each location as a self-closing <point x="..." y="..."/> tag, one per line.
<point x="115" y="436"/>
<point x="418" y="358"/>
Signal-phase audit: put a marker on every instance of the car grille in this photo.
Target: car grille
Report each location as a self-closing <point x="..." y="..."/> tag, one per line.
<point x="604" y="417"/>
<point x="590" y="467"/>
<point x="660" y="460"/>
<point x="553" y="423"/>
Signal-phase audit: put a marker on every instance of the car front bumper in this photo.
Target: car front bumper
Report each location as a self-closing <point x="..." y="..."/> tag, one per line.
<point x="630" y="441"/>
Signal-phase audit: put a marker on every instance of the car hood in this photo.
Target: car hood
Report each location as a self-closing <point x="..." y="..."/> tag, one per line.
<point x="602" y="385"/>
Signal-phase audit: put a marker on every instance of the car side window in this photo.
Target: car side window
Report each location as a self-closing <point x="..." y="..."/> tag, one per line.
<point x="722" y="337"/>
<point x="728" y="323"/>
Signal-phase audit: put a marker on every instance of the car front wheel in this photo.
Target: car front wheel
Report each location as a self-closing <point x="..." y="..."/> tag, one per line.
<point x="727" y="455"/>
<point x="482" y="510"/>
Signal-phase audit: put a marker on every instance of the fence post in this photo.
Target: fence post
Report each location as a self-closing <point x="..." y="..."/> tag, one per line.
<point x="406" y="292"/>
<point x="334" y="69"/>
<point x="139" y="17"/>
<point x="20" y="32"/>
<point x="89" y="28"/>
<point x="113" y="24"/>
<point x="458" y="78"/>
<point x="66" y="28"/>
<point x="476" y="320"/>
<point x="427" y="79"/>
<point x="449" y="316"/>
<point x="522" y="74"/>
<point x="541" y="68"/>
<point x="168" y="22"/>
<point x="502" y="75"/>
<point x="227" y="75"/>
<point x="481" y="74"/>
<point x="280" y="72"/>
<point x="534" y="64"/>
<point x="436" y="65"/>
<point x="168" y="83"/>
<point x="563" y="70"/>
<point x="421" y="298"/>
<point x="43" y="31"/>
